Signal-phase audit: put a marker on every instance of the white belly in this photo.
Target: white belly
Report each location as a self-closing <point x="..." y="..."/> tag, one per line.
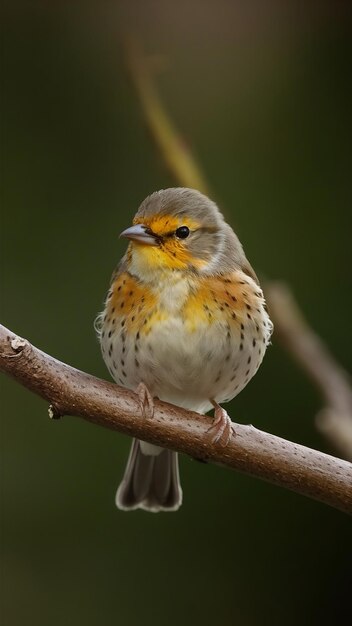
<point x="184" y="367"/>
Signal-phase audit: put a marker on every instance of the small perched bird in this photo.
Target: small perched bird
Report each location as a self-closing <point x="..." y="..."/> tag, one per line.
<point x="184" y="321"/>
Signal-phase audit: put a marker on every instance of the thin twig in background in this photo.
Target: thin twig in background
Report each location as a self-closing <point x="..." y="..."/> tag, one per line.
<point x="72" y="392"/>
<point x="293" y="331"/>
<point x="335" y="420"/>
<point x="173" y="149"/>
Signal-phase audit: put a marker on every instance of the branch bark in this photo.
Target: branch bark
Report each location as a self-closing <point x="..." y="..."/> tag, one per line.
<point x="300" y="341"/>
<point x="72" y="392"/>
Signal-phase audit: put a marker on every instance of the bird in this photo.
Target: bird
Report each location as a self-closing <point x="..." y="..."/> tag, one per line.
<point x="185" y="321"/>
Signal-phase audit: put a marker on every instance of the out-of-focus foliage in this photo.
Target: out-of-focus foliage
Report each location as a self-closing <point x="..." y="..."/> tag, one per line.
<point x="260" y="91"/>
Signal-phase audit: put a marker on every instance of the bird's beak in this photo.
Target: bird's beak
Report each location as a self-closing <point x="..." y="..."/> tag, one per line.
<point x="140" y="233"/>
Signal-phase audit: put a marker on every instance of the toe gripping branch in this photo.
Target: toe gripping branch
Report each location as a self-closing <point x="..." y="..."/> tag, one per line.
<point x="222" y="428"/>
<point x="146" y="401"/>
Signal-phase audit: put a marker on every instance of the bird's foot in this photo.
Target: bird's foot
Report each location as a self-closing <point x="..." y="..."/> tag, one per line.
<point x="222" y="426"/>
<point x="146" y="401"/>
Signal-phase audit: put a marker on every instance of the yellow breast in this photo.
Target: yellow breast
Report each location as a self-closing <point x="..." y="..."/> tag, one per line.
<point x="235" y="301"/>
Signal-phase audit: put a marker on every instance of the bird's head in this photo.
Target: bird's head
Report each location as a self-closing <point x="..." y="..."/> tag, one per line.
<point x="180" y="229"/>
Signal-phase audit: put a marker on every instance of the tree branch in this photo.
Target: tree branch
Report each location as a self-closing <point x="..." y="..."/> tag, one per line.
<point x="300" y="341"/>
<point x="70" y="391"/>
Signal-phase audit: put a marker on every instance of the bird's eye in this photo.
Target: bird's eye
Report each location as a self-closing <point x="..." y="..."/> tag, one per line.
<point x="182" y="232"/>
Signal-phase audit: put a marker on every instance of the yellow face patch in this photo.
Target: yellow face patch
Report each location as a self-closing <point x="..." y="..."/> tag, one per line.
<point x="171" y="253"/>
<point x="168" y="255"/>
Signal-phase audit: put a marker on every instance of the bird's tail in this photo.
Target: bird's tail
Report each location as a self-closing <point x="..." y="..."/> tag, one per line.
<point x="151" y="481"/>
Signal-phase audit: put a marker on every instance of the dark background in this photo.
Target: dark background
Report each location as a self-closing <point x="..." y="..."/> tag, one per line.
<point x="260" y="91"/>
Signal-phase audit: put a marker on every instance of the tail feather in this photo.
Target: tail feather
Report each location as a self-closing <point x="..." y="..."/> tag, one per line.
<point x="150" y="482"/>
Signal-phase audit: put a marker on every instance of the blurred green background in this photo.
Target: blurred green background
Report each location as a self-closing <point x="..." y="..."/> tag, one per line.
<point x="260" y="92"/>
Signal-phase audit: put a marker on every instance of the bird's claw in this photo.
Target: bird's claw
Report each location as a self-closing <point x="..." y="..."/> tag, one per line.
<point x="222" y="427"/>
<point x="146" y="401"/>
